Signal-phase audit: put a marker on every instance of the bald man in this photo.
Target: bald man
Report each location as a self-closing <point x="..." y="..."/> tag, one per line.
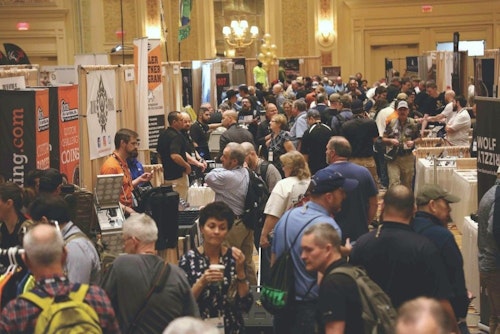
<point x="423" y="316"/>
<point x="45" y="255"/>
<point x="234" y="132"/>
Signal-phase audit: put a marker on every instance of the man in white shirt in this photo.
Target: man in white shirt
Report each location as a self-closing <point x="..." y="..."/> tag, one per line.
<point x="457" y="128"/>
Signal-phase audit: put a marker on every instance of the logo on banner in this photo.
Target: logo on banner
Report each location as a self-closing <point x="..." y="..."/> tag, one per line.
<point x="19" y="158"/>
<point x="43" y="122"/>
<point x="102" y="105"/>
<point x="68" y="114"/>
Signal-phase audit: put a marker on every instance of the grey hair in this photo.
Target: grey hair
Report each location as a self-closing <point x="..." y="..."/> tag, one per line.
<point x="43" y="245"/>
<point x="190" y="325"/>
<point x="248" y="147"/>
<point x="142" y="227"/>
<point x="236" y="152"/>
<point x="324" y="234"/>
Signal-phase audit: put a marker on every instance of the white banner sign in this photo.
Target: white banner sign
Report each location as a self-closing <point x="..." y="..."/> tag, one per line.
<point x="13" y="83"/>
<point x="101" y="112"/>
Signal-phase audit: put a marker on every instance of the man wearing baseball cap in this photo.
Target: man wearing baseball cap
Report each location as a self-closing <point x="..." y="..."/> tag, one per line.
<point x="403" y="263"/>
<point x="401" y="135"/>
<point x="431" y="220"/>
<point x="328" y="190"/>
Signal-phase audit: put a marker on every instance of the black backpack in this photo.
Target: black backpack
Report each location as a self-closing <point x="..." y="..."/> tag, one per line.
<point x="341" y="120"/>
<point x="277" y="295"/>
<point x="255" y="201"/>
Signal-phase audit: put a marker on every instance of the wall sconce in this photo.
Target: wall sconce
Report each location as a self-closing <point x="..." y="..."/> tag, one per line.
<point x="238" y="36"/>
<point x="326" y="35"/>
<point x="153" y="32"/>
<point x="22" y="26"/>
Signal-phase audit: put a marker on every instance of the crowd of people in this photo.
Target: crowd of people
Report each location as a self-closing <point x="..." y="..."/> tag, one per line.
<point x="325" y="149"/>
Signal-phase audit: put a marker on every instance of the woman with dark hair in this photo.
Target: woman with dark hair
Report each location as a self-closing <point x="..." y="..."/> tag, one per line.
<point x="280" y="141"/>
<point x="216" y="272"/>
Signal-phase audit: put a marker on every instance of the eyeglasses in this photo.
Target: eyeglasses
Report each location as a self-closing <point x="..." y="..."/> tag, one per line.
<point x="56" y="224"/>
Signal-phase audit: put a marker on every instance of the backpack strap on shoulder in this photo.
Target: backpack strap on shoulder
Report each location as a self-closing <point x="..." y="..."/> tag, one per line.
<point x="41" y="302"/>
<point x="79" y="292"/>
<point x="300" y="231"/>
<point x="263" y="169"/>
<point x="349" y="271"/>
<point x="74" y="236"/>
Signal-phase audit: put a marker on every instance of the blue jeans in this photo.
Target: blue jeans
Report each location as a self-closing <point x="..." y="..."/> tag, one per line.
<point x="301" y="319"/>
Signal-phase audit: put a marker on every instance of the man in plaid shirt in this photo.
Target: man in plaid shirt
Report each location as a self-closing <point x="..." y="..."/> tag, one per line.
<point x="45" y="256"/>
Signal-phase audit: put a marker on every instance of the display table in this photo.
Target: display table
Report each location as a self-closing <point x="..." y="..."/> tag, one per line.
<point x="200" y="196"/>
<point x="463" y="185"/>
<point x="469" y="252"/>
<point x="424" y="173"/>
<point x="157" y="172"/>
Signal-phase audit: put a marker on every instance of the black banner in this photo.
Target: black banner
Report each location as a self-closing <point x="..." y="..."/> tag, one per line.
<point x="187" y="87"/>
<point x="16" y="55"/>
<point x="156" y="123"/>
<point x="3" y="59"/>
<point x="488" y="143"/>
<point x="291" y="66"/>
<point x="54" y="128"/>
<point x="222" y="84"/>
<point x="17" y="134"/>
<point x="412" y="64"/>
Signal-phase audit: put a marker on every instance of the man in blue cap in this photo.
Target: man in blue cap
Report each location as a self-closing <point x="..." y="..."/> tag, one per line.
<point x="328" y="190"/>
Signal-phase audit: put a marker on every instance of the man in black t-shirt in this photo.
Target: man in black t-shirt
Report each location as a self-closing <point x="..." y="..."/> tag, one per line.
<point x="402" y="262"/>
<point x="199" y="132"/>
<point x="314" y="141"/>
<point x="361" y="132"/>
<point x="339" y="302"/>
<point x="172" y="148"/>
<point x="432" y="105"/>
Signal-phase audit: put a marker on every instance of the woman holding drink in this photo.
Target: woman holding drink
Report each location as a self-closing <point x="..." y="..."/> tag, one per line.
<point x="217" y="273"/>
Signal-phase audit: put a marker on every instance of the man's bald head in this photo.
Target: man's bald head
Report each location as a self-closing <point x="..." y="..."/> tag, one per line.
<point x="43" y="245"/>
<point x="423" y="316"/>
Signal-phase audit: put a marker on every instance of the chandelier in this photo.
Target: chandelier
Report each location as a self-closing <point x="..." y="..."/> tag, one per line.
<point x="238" y="36"/>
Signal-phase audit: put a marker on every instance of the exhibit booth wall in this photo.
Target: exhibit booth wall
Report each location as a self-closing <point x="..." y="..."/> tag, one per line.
<point x="125" y="106"/>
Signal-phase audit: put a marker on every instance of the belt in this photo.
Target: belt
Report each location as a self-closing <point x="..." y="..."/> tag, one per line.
<point x="405" y="152"/>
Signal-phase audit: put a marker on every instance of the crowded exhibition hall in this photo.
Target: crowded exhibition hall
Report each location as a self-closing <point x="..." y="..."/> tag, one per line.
<point x="249" y="166"/>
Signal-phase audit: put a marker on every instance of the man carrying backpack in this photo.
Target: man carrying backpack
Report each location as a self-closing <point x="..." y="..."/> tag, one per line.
<point x="327" y="193"/>
<point x="344" y="114"/>
<point x="90" y="310"/>
<point x="349" y="301"/>
<point x="339" y="302"/>
<point x="230" y="185"/>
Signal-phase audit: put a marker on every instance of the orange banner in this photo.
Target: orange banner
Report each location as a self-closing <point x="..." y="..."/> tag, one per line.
<point x="154" y="65"/>
<point x="42" y="129"/>
<point x="69" y="132"/>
